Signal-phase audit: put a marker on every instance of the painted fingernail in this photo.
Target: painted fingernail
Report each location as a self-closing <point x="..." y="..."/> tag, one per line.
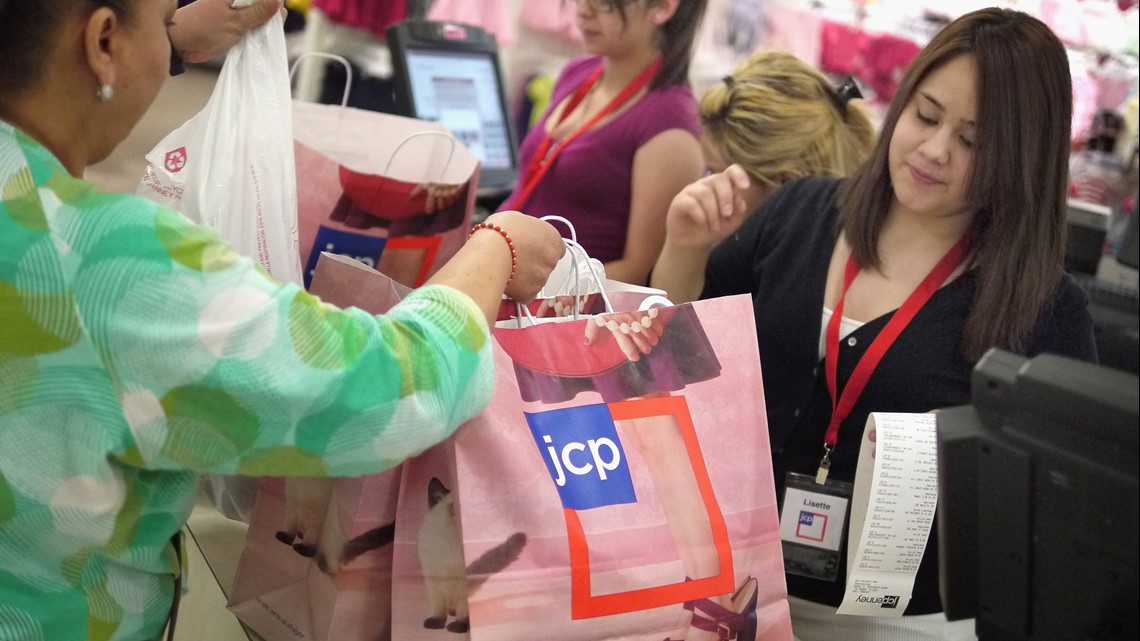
<point x="599" y="321"/>
<point x="624" y="327"/>
<point x="652" y="311"/>
<point x="611" y="325"/>
<point x="635" y="327"/>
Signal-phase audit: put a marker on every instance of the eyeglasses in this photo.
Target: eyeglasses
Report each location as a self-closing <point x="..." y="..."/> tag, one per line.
<point x="606" y="6"/>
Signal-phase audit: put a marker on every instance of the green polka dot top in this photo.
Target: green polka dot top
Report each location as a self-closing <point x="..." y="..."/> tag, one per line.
<point x="137" y="351"/>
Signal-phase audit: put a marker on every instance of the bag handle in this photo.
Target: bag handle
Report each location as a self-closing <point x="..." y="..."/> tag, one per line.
<point x="445" y="134"/>
<point x="330" y="56"/>
<point x="590" y="267"/>
<point x="344" y="103"/>
<point x="581" y="265"/>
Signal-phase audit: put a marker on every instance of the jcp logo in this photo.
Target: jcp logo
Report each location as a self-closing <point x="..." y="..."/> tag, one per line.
<point x="603" y="452"/>
<point x="583" y="453"/>
<point x="365" y="249"/>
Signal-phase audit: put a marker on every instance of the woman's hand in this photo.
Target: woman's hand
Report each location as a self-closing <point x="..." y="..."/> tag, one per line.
<point x="483" y="264"/>
<point x="702" y="215"/>
<point x="636" y="333"/>
<point x="708" y="210"/>
<point x="207" y="28"/>
<point x="538" y="246"/>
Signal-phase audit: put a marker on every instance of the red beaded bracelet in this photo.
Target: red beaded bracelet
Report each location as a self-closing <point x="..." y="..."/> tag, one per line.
<point x="510" y="243"/>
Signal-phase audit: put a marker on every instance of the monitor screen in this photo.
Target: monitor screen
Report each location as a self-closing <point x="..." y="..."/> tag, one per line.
<point x="449" y="72"/>
<point x="461" y="90"/>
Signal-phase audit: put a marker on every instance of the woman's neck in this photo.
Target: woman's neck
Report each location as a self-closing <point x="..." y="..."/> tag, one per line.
<point x="620" y="71"/>
<point x="906" y="232"/>
<point x="52" y="125"/>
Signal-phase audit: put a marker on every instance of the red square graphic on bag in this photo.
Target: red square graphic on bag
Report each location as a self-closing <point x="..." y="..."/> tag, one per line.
<point x="585" y="602"/>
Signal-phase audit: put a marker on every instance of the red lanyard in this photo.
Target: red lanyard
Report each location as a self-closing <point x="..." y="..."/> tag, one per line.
<point x="841" y="405"/>
<point x="548" y="150"/>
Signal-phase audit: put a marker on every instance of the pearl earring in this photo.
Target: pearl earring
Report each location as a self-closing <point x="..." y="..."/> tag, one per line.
<point x="105" y="93"/>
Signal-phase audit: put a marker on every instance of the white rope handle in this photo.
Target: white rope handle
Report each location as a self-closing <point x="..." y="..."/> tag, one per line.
<point x="331" y="56"/>
<point x="444" y="134"/>
<point x="560" y="219"/>
<point x="589" y="263"/>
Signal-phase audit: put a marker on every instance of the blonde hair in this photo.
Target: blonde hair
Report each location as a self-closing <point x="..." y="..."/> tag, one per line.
<point x="780" y="119"/>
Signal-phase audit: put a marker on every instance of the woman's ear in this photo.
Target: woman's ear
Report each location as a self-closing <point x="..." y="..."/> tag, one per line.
<point x="663" y="11"/>
<point x="99" y="34"/>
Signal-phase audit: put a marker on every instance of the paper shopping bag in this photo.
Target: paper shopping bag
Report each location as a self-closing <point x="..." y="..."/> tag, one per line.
<point x="392" y="192"/>
<point x="599" y="498"/>
<point x="317" y="560"/>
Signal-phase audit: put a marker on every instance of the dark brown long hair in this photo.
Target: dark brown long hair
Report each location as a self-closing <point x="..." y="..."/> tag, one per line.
<point x="28" y="29"/>
<point x="1017" y="183"/>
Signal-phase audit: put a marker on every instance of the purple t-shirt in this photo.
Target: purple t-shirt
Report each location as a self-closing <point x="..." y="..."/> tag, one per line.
<point x="590" y="181"/>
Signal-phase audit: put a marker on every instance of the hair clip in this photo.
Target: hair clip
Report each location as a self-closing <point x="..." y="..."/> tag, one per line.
<point x="844" y="93"/>
<point x="728" y="81"/>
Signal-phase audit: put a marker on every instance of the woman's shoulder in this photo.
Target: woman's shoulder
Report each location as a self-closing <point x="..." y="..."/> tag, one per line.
<point x="662" y="109"/>
<point x="813" y="197"/>
<point x="1065" y="326"/>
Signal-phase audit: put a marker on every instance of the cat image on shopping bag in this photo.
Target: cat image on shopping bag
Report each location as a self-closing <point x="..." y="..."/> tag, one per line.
<point x="311" y="525"/>
<point x="330" y="562"/>
<point x="441" y="558"/>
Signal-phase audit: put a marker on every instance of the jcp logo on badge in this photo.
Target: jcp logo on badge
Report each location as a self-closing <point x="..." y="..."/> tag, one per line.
<point x="583" y="453"/>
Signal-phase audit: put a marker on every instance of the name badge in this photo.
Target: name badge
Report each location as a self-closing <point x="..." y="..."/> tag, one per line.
<point x="812" y="525"/>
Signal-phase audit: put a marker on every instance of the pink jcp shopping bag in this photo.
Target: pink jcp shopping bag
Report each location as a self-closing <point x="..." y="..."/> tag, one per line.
<point x="598" y="497"/>
<point x="394" y="193"/>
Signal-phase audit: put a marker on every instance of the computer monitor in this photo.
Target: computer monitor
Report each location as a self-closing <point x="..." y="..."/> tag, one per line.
<point x="449" y="72"/>
<point x="1037" y="505"/>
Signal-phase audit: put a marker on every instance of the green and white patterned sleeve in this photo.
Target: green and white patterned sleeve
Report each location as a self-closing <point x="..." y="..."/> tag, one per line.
<point x="221" y="369"/>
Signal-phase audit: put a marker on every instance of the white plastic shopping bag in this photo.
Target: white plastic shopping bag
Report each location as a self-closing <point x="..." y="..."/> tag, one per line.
<point x="231" y="166"/>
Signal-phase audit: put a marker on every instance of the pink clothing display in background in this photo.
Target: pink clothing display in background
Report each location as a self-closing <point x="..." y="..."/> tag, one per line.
<point x="590" y="184"/>
<point x="884" y="61"/>
<point x="373" y="15"/>
<point x="793" y="30"/>
<point x="492" y="15"/>
<point x="1084" y="100"/>
<point x="551" y="18"/>
<point x="1064" y="17"/>
<point x="841" y="47"/>
<point x="878" y="59"/>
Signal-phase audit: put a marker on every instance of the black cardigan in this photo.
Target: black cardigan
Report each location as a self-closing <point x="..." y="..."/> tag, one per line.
<point x="780" y="256"/>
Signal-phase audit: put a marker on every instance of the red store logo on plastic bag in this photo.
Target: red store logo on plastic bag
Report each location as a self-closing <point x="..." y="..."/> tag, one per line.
<point x="175" y="160"/>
